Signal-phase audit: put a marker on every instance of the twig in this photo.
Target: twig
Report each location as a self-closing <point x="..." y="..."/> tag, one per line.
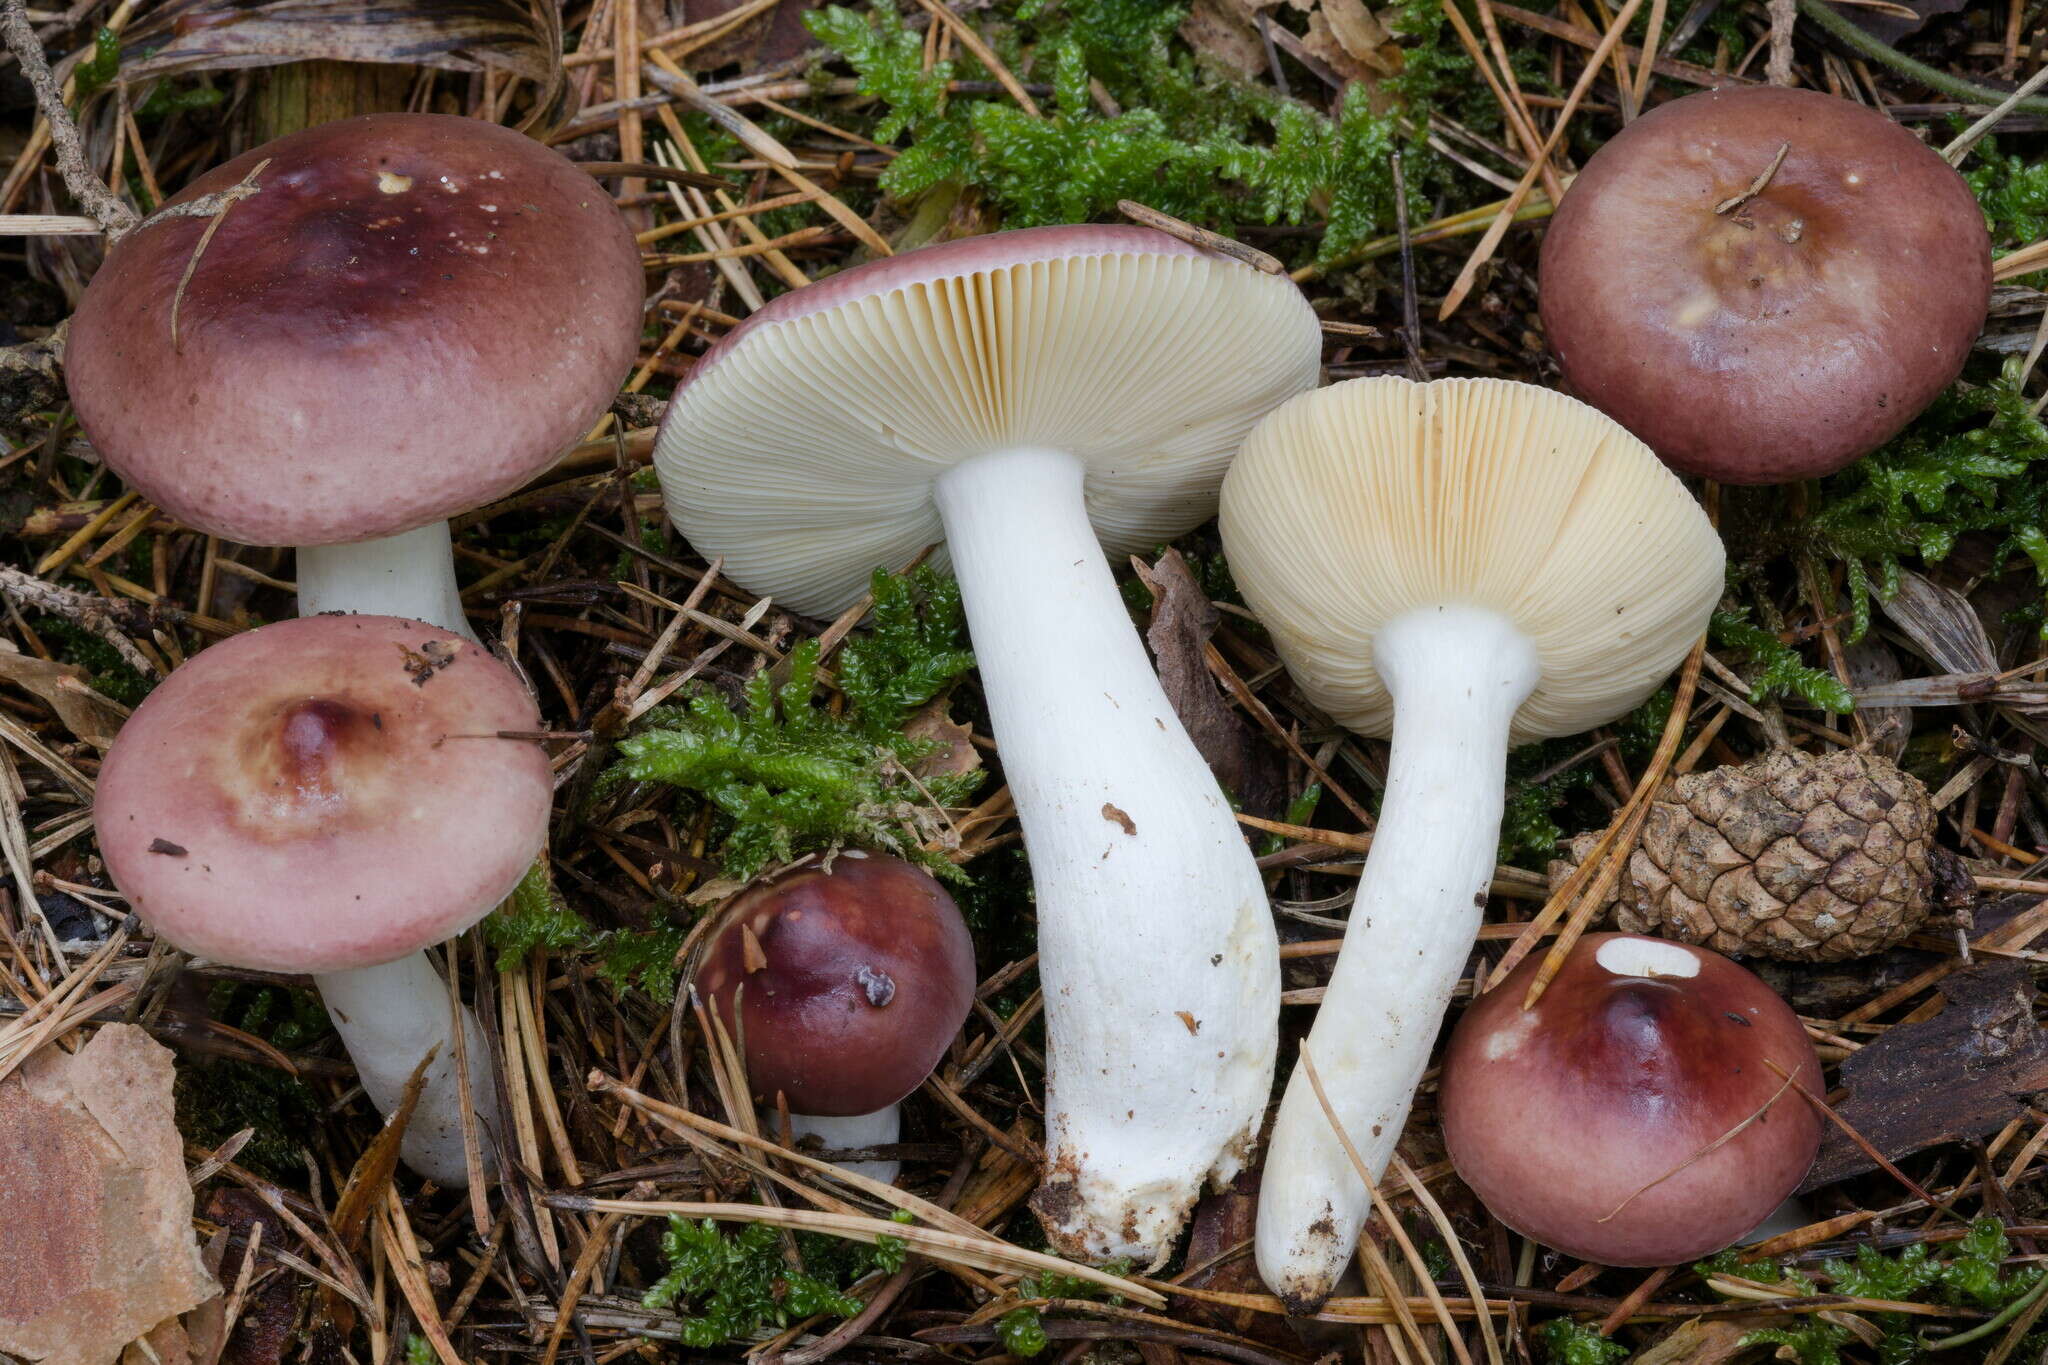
<point x="96" y="614"/>
<point x="115" y="217"/>
<point x="1968" y="138"/>
<point x="218" y="205"/>
<point x="1784" y="15"/>
<point x="1756" y="186"/>
<point x="1839" y="28"/>
<point x="1201" y="237"/>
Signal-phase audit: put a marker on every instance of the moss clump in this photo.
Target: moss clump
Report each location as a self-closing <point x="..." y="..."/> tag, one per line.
<point x="1975" y="462"/>
<point x="1192" y="142"/>
<point x="789" y="775"/>
<point x="731" y="1285"/>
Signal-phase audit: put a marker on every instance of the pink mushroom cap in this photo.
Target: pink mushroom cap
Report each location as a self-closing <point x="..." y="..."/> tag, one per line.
<point x="414" y="315"/>
<point x="1574" y="1122"/>
<point x="323" y="794"/>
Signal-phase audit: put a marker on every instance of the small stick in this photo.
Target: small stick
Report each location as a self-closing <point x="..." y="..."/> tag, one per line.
<point x="1199" y="236"/>
<point x="115" y="217"/>
<point x="220" y="204"/>
<point x="1756" y="186"/>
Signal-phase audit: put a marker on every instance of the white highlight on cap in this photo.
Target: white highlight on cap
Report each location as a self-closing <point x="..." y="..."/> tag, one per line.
<point x="1646" y="957"/>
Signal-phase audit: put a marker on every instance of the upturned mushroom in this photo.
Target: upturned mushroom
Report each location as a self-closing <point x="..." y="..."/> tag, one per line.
<point x="1764" y="283"/>
<point x="414" y="314"/>
<point x="845" y="980"/>
<point x="1645" y="1112"/>
<point x="1460" y="565"/>
<point x="331" y="795"/>
<point x="1031" y="399"/>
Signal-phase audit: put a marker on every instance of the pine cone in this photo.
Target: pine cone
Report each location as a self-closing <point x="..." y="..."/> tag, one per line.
<point x="1789" y="856"/>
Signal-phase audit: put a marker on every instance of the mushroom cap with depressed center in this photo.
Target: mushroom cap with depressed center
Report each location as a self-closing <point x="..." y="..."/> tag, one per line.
<point x="324" y="794"/>
<point x="415" y="314"/>
<point x="847" y="982"/>
<point x="1362" y="502"/>
<point x="1589" y="1123"/>
<point x="1787" y="336"/>
<point x="803" y="448"/>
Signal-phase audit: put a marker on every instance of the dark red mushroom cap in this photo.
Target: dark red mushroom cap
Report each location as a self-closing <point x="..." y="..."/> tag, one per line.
<point x="854" y="981"/>
<point x="1784" y="337"/>
<point x="323" y="794"/>
<point x="415" y="315"/>
<point x="1640" y="1056"/>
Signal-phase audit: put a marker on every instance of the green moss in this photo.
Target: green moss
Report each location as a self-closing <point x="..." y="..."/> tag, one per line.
<point x="1969" y="1273"/>
<point x="1565" y="1342"/>
<point x="98" y="71"/>
<point x="218" y="1098"/>
<point x="108" y="673"/>
<point x="1776" y="669"/>
<point x="791" y="775"/>
<point x="1021" y="1331"/>
<point x="1976" y="461"/>
<point x="731" y="1285"/>
<point x="1195" y="143"/>
<point x="2013" y="192"/>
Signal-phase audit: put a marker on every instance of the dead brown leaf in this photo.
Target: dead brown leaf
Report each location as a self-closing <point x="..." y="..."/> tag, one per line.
<point x="932" y="723"/>
<point x="86" y="714"/>
<point x="523" y="37"/>
<point x="1361" y="36"/>
<point x="96" y="1205"/>
<point x="1183" y="620"/>
<point x="1223" y="30"/>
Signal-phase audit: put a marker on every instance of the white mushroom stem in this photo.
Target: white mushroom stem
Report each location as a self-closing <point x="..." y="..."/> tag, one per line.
<point x="391" y="1015"/>
<point x="854" y="1131"/>
<point x="1457" y="675"/>
<point x="411" y="574"/>
<point x="1156" y="949"/>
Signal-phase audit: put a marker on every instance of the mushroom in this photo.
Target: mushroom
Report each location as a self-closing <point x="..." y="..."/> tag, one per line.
<point x="330" y="795"/>
<point x="1460" y="564"/>
<point x="414" y="314"/>
<point x="1033" y="398"/>
<point x="1764" y="283"/>
<point x="844" y="981"/>
<point x="1643" y="1113"/>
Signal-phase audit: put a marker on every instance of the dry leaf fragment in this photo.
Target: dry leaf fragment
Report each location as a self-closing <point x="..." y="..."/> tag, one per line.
<point x="99" y="1248"/>
<point x="1183" y="620"/>
<point x="1362" y="36"/>
<point x="1224" y="30"/>
<point x="85" y="713"/>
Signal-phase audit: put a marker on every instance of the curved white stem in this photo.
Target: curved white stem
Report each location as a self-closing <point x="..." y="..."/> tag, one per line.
<point x="856" y="1130"/>
<point x="1157" y="955"/>
<point x="411" y="574"/>
<point x="1457" y="675"/>
<point x="389" y="1017"/>
<point x="391" y="1014"/>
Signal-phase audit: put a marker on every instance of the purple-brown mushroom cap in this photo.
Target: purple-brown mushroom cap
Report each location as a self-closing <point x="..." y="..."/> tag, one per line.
<point x="850" y="983"/>
<point x="324" y="793"/>
<point x="415" y="315"/>
<point x="1574" y="1121"/>
<point x="1783" y="338"/>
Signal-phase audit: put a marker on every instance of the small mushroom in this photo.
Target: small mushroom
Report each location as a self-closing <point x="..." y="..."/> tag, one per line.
<point x="1460" y="565"/>
<point x="1031" y="399"/>
<point x="1635" y="1116"/>
<point x="414" y="315"/>
<point x="846" y="983"/>
<point x="1764" y="283"/>
<point x="330" y="795"/>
